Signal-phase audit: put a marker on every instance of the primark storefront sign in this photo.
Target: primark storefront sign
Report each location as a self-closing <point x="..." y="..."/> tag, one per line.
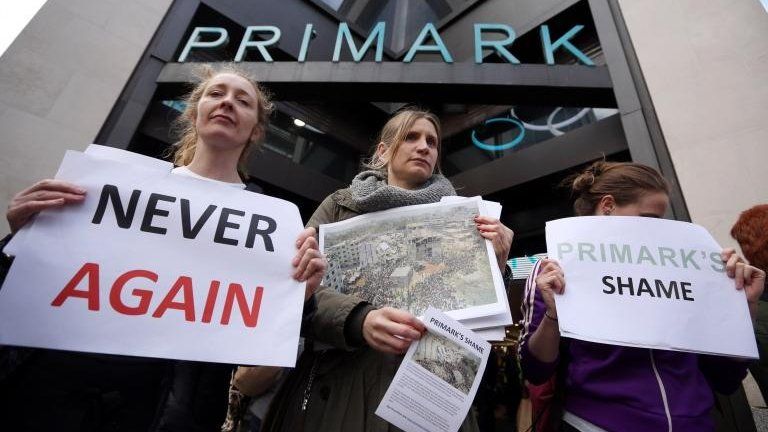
<point x="428" y="41"/>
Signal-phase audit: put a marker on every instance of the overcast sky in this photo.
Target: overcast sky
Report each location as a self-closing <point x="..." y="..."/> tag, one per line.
<point x="16" y="14"/>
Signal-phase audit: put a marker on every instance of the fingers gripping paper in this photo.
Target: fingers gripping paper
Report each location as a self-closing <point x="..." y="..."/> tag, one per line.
<point x="437" y="380"/>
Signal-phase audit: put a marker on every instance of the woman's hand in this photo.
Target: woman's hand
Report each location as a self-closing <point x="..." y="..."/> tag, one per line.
<point x="254" y="381"/>
<point x="309" y="262"/>
<point x="545" y="341"/>
<point x="549" y="282"/>
<point x="499" y="235"/>
<point x="391" y="330"/>
<point x="747" y="277"/>
<point x="42" y="195"/>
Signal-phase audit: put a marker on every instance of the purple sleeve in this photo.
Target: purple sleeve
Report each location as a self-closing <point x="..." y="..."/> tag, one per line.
<point x="533" y="308"/>
<point x="723" y="374"/>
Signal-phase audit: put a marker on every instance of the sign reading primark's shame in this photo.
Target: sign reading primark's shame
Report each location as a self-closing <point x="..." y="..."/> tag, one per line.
<point x="428" y="41"/>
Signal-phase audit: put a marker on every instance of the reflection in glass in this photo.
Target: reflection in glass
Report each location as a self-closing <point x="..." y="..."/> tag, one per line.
<point x="511" y="130"/>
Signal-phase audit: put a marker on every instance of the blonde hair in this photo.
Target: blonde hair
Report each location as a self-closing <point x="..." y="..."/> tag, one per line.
<point x="185" y="128"/>
<point x="394" y="132"/>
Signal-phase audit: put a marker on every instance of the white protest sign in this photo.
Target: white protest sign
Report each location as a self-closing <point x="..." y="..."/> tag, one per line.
<point x="650" y="283"/>
<point x="438" y="378"/>
<point x="158" y="265"/>
<point x="111" y="153"/>
<point x="99" y="152"/>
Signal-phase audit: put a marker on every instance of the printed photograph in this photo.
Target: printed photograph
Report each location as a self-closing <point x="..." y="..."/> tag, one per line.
<point x="453" y="363"/>
<point x="412" y="259"/>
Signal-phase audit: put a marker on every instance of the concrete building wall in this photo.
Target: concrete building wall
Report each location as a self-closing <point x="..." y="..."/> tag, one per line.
<point x="60" y="78"/>
<point x="706" y="67"/>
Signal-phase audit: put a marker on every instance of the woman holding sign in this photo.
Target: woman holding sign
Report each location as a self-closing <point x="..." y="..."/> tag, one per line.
<point x="615" y="388"/>
<point x="339" y="389"/>
<point x="226" y="116"/>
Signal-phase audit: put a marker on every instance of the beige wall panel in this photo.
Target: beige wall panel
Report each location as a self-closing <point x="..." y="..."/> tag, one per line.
<point x="705" y="64"/>
<point x="60" y="78"/>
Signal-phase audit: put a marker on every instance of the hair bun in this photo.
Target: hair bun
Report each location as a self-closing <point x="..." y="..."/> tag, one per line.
<point x="584" y="181"/>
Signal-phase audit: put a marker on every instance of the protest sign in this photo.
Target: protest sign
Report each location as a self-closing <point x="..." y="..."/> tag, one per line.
<point x="158" y="265"/>
<point x="99" y="152"/>
<point x="438" y="378"/>
<point x="415" y="256"/>
<point x="646" y="282"/>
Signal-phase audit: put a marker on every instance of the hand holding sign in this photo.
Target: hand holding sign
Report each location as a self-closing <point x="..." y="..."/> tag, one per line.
<point x="42" y="195"/>
<point x="499" y="235"/>
<point x="550" y="281"/>
<point x="749" y="278"/>
<point x="753" y="280"/>
<point x="309" y="262"/>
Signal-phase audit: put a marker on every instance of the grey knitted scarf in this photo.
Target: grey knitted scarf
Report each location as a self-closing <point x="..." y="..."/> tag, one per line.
<point x="370" y="192"/>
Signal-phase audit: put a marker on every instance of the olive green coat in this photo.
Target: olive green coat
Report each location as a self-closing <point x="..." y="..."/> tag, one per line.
<point x="341" y="387"/>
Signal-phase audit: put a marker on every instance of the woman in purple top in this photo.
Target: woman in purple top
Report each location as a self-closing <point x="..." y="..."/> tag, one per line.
<point x="615" y="388"/>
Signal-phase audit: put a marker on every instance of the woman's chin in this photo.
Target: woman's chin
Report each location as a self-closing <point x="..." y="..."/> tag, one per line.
<point x="419" y="176"/>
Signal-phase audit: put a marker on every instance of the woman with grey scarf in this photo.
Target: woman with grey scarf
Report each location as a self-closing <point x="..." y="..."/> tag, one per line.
<point x="338" y="389"/>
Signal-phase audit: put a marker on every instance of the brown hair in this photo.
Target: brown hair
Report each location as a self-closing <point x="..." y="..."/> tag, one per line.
<point x="184" y="126"/>
<point x="394" y="132"/>
<point x="625" y="181"/>
<point x="751" y="231"/>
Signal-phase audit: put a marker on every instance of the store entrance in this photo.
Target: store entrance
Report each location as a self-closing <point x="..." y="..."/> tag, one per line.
<point x="514" y="154"/>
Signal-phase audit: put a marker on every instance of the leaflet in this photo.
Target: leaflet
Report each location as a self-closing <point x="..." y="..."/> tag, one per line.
<point x="437" y="381"/>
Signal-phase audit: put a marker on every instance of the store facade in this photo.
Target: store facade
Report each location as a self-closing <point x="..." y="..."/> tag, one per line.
<point x="528" y="91"/>
<point x="524" y="99"/>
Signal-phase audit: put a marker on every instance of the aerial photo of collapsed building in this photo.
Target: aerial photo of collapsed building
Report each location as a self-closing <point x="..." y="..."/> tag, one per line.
<point x="413" y="259"/>
<point x="451" y="362"/>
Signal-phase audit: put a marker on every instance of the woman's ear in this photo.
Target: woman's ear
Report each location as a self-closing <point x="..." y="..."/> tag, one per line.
<point x="606" y="206"/>
<point x="256" y="135"/>
<point x="381" y="148"/>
